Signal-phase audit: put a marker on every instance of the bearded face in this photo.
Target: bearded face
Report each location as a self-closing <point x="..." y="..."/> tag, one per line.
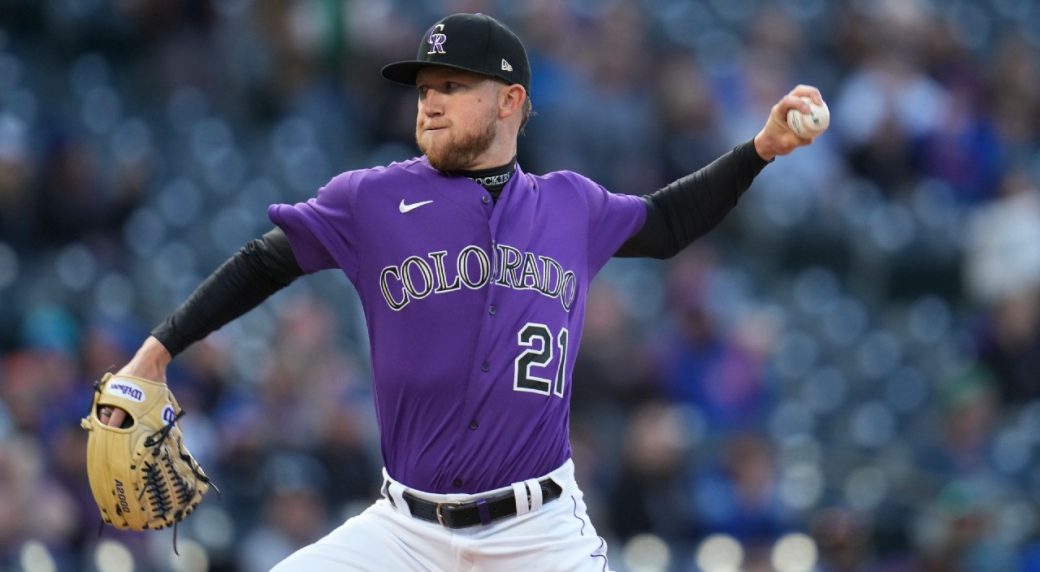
<point x="456" y="144"/>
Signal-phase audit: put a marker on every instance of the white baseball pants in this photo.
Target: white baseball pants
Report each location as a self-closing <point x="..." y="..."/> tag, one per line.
<point x="556" y="536"/>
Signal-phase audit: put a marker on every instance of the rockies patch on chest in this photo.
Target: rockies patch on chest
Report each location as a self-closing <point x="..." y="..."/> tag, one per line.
<point x="472" y="267"/>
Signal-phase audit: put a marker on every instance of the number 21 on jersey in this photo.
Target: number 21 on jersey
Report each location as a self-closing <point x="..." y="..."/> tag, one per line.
<point x="542" y="349"/>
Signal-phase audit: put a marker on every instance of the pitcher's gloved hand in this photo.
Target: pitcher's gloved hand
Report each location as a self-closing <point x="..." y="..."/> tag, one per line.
<point x="141" y="473"/>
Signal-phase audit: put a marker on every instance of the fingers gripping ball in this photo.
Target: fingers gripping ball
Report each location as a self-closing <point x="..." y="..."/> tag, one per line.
<point x="142" y="475"/>
<point x="809" y="125"/>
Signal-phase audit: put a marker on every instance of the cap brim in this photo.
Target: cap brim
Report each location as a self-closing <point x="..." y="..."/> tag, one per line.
<point x="405" y="72"/>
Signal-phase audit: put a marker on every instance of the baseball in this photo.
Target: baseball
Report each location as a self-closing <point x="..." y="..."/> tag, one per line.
<point x="809" y="125"/>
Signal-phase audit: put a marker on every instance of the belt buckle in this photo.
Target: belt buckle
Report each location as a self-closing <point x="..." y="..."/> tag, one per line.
<point x="440" y="513"/>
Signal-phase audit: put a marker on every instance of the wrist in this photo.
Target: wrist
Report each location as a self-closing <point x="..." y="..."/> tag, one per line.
<point x="155" y="352"/>
<point x="763" y="147"/>
<point x="150" y="361"/>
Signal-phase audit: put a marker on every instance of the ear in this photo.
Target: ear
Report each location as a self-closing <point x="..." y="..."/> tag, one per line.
<point x="511" y="100"/>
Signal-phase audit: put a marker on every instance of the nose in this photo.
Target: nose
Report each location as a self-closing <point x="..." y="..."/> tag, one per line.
<point x="431" y="105"/>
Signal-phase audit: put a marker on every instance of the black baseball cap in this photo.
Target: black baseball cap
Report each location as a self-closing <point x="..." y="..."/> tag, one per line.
<point x="471" y="42"/>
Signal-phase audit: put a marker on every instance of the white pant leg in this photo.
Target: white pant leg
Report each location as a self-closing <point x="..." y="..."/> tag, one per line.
<point x="380" y="539"/>
<point x="558" y="537"/>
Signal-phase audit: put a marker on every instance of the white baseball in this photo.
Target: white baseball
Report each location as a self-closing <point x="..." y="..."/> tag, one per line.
<point x="809" y="125"/>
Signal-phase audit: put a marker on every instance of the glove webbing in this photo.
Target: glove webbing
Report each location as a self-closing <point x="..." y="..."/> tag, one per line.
<point x="158" y="493"/>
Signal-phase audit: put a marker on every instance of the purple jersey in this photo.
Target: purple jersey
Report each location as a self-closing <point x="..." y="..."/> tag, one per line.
<point x="474" y="310"/>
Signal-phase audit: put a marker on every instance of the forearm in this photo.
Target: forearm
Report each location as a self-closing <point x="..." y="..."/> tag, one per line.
<point x="258" y="270"/>
<point x="688" y="208"/>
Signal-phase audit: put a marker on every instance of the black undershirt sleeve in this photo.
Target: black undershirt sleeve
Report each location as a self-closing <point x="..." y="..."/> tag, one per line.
<point x="688" y="208"/>
<point x="259" y="269"/>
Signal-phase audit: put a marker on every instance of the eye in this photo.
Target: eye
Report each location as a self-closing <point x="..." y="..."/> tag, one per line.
<point x="422" y="91"/>
<point x="451" y="86"/>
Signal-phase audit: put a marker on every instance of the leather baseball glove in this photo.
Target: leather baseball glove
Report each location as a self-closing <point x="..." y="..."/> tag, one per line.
<point x="141" y="474"/>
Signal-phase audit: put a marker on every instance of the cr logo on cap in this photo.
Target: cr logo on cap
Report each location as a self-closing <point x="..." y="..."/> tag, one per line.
<point x="437" y="40"/>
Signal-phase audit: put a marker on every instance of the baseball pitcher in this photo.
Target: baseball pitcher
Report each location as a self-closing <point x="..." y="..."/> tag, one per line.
<point x="473" y="275"/>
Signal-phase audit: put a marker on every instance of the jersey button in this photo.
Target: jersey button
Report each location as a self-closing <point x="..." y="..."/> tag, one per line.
<point x="485" y="199"/>
<point x="485" y="367"/>
<point x="457" y="483"/>
<point x="492" y="310"/>
<point x="473" y="425"/>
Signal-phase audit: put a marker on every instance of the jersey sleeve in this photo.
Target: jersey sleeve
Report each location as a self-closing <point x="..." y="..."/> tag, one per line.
<point x="318" y="229"/>
<point x="613" y="219"/>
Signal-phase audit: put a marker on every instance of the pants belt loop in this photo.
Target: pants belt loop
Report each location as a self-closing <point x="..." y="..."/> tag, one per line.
<point x="485" y="513"/>
<point x="520" y="495"/>
<point x="534" y="488"/>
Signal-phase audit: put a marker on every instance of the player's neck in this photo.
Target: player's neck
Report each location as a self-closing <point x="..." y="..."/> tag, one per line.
<point x="501" y="151"/>
<point x="503" y="171"/>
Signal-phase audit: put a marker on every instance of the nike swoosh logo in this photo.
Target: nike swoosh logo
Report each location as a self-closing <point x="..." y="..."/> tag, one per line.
<point x="404" y="207"/>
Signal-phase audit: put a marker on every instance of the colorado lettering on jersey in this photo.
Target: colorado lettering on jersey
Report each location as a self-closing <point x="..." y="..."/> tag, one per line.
<point x="420" y="276"/>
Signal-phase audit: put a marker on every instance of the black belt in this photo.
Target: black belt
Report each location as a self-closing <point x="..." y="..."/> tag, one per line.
<point x="461" y="515"/>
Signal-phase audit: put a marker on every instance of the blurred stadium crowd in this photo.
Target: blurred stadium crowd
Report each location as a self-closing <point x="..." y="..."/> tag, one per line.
<point x="844" y="376"/>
